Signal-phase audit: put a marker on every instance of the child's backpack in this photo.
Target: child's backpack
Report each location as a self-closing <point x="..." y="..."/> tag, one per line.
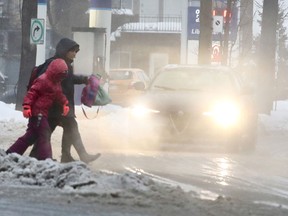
<point x="37" y="71"/>
<point x="93" y="93"/>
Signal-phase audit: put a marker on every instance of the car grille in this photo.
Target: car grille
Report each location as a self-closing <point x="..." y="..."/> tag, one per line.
<point x="180" y="120"/>
<point x="191" y="124"/>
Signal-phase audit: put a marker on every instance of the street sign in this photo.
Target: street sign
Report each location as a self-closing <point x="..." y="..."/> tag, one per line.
<point x="218" y="24"/>
<point x="37" y="31"/>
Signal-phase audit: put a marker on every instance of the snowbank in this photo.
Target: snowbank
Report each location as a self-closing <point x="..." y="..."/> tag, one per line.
<point x="74" y="177"/>
<point x="77" y="178"/>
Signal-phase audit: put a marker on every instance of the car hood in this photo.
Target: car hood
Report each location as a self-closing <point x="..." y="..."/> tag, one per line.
<point x="172" y="101"/>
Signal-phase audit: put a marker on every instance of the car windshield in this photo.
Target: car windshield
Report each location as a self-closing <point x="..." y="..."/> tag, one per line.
<point x="193" y="80"/>
<point x="120" y="75"/>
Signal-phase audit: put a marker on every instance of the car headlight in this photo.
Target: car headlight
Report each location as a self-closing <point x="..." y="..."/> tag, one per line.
<point x="142" y="111"/>
<point x="225" y="113"/>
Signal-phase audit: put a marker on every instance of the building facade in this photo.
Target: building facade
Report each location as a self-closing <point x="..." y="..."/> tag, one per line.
<point x="149" y="34"/>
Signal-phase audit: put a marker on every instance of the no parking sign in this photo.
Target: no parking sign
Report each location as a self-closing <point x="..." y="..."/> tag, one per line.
<point x="217" y="24"/>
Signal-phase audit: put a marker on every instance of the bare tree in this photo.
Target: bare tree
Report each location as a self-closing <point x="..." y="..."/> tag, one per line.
<point x="266" y="54"/>
<point x="28" y="51"/>
<point x="246" y="29"/>
<point x="282" y="53"/>
<point x="205" y="37"/>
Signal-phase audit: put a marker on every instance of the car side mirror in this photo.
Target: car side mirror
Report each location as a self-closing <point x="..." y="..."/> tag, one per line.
<point x="139" y="86"/>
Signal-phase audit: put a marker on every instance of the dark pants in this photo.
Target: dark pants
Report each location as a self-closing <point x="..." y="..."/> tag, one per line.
<point x="71" y="136"/>
<point x="38" y="129"/>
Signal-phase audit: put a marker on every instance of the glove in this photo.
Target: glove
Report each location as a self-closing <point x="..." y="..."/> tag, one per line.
<point x="86" y="80"/>
<point x="27" y="113"/>
<point x="65" y="110"/>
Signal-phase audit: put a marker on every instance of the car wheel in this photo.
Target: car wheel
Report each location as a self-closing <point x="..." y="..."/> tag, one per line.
<point x="242" y="143"/>
<point x="249" y="141"/>
<point x="232" y="143"/>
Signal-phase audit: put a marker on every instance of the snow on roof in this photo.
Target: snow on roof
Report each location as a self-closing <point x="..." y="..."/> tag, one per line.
<point x="122" y="11"/>
<point x="148" y="27"/>
<point x="168" y="27"/>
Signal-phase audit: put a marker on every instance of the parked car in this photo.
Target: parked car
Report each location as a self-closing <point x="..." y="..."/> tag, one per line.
<point x="125" y="84"/>
<point x="197" y="104"/>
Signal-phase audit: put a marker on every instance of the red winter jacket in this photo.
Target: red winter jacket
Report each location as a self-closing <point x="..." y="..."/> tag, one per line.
<point x="46" y="89"/>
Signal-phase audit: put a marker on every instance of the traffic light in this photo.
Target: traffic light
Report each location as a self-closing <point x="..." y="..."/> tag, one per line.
<point x="222" y="12"/>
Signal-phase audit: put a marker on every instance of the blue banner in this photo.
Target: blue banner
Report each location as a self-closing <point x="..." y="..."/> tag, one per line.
<point x="101" y="4"/>
<point x="193" y="28"/>
<point x="42" y="2"/>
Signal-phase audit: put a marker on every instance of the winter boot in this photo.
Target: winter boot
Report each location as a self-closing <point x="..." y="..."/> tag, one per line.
<point x="66" y="158"/>
<point x="66" y="151"/>
<point x="87" y="158"/>
<point x="80" y="149"/>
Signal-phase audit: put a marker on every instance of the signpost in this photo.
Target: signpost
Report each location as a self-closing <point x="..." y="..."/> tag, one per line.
<point x="38" y="37"/>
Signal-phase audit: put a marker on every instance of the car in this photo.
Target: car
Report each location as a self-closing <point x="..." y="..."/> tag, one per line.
<point x="125" y="84"/>
<point x="197" y="104"/>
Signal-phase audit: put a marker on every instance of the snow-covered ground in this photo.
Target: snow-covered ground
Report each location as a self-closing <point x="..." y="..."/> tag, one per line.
<point x="108" y="188"/>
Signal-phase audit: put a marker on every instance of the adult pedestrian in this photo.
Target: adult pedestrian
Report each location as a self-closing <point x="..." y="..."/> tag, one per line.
<point x="67" y="49"/>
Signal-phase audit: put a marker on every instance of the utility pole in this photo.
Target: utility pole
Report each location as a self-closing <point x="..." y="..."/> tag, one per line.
<point x="205" y="37"/>
<point x="266" y="61"/>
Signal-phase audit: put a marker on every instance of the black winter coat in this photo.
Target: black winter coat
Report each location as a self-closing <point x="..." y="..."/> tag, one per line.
<point x="68" y="83"/>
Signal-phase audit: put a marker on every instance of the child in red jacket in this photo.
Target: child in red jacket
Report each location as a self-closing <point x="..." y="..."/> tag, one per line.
<point x="45" y="90"/>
